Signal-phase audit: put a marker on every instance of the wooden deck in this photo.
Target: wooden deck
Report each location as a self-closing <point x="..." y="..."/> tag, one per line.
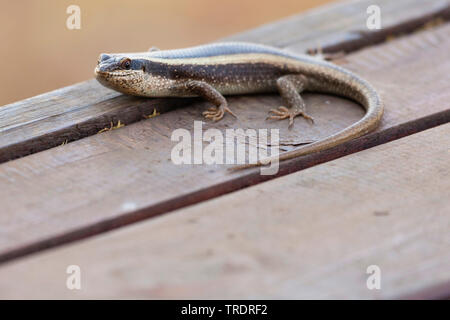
<point x="382" y="199"/>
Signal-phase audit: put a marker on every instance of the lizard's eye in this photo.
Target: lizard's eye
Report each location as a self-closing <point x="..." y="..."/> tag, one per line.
<point x="125" y="63"/>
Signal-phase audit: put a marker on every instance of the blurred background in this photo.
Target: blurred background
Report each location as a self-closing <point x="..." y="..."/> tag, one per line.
<point x="40" y="54"/>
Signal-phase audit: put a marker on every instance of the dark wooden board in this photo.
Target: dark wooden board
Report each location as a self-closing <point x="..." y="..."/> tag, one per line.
<point x="78" y="111"/>
<point x="108" y="180"/>
<point x="311" y="234"/>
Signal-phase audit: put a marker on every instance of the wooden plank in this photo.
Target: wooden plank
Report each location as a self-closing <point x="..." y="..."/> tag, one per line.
<point x="119" y="177"/>
<point x="342" y="26"/>
<point x="311" y="234"/>
<point x="69" y="114"/>
<point x="82" y="110"/>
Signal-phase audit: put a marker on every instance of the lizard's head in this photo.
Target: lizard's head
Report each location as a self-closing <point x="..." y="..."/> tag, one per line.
<point x="121" y="73"/>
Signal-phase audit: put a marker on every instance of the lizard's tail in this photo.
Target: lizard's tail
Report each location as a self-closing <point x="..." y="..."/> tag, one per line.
<point x="354" y="88"/>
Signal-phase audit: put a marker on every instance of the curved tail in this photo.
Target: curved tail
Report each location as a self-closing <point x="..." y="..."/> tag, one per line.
<point x="350" y="86"/>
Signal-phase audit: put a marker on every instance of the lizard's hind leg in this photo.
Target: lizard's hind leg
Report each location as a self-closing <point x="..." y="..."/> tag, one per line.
<point x="289" y="87"/>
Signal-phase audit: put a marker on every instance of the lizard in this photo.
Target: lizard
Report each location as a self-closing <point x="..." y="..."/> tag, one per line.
<point x="234" y="68"/>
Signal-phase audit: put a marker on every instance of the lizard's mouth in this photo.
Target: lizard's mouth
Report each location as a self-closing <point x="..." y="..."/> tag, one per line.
<point x="125" y="81"/>
<point x="115" y="74"/>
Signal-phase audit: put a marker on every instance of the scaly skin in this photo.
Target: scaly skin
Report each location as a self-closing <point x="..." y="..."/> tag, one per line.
<point x="214" y="70"/>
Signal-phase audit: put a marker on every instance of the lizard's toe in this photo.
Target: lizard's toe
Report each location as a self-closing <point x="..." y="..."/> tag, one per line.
<point x="278" y="114"/>
<point x="216" y="114"/>
<point x="274" y="117"/>
<point x="284" y="113"/>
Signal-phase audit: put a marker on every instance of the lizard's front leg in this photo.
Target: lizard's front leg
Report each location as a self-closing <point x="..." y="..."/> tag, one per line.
<point x="209" y="93"/>
<point x="289" y="87"/>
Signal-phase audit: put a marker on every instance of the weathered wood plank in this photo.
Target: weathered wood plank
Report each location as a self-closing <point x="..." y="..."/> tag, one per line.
<point x="81" y="110"/>
<point x="342" y="26"/>
<point x="69" y="114"/>
<point x="108" y="180"/>
<point x="311" y="234"/>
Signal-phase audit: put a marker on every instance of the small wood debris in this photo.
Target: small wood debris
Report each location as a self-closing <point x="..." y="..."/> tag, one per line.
<point x="154" y="114"/>
<point x="112" y="127"/>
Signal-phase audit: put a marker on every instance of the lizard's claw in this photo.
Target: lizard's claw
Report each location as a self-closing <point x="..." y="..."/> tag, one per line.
<point x="216" y="114"/>
<point x="284" y="113"/>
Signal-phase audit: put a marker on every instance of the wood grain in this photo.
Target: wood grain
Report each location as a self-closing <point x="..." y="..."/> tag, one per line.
<point x="78" y="111"/>
<point x="119" y="177"/>
<point x="311" y="234"/>
<point x="69" y="114"/>
<point x="398" y="18"/>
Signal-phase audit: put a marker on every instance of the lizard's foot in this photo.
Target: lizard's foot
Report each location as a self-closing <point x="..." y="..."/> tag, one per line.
<point x="217" y="113"/>
<point x="285" y="113"/>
